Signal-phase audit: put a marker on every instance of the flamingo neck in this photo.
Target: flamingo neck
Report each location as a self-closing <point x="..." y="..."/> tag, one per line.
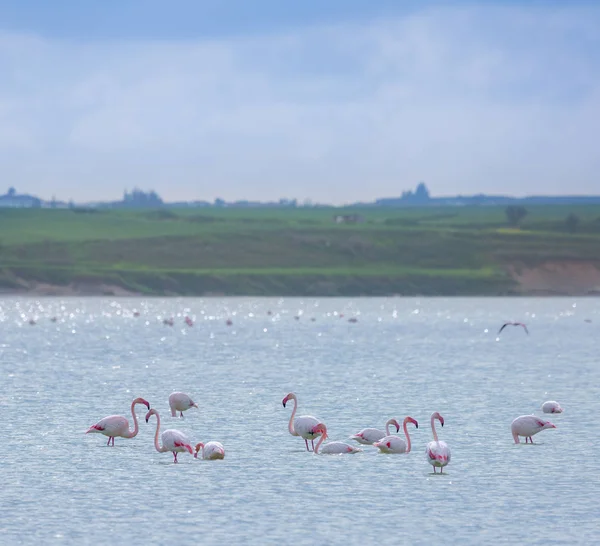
<point x="321" y="440"/>
<point x="435" y="436"/>
<point x="136" y="427"/>
<point x="407" y="437"/>
<point x="291" y="423"/>
<point x="387" y="427"/>
<point x="156" y="444"/>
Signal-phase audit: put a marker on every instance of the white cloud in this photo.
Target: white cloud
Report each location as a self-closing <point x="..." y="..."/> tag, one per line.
<point x="467" y="99"/>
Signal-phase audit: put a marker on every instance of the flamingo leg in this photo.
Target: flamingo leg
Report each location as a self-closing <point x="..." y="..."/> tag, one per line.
<point x="108" y="443"/>
<point x="306" y="442"/>
<point x="181" y="414"/>
<point x="313" y="443"/>
<point x="175" y="456"/>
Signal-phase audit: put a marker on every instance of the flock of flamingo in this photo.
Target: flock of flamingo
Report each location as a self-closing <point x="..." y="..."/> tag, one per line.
<point x="173" y="440"/>
<point x="308" y="428"/>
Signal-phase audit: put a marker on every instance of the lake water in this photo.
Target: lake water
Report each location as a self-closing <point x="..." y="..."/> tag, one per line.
<point x="404" y="356"/>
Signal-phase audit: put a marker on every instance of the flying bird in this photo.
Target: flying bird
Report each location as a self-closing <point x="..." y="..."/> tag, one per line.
<point x="513" y="324"/>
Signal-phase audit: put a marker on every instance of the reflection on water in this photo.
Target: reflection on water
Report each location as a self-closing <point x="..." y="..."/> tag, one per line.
<point x="353" y="363"/>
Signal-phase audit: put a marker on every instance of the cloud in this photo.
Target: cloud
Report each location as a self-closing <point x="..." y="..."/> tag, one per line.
<point x="468" y="99"/>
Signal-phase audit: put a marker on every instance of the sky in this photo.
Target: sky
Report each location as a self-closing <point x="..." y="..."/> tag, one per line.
<point x="333" y="101"/>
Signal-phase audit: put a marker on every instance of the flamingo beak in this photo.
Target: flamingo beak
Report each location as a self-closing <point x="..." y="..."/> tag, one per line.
<point x="284" y="401"/>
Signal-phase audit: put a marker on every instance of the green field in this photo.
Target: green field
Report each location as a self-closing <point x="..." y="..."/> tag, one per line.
<point x="429" y="251"/>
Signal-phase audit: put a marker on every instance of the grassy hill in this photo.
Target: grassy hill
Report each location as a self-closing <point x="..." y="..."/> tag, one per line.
<point x="430" y="251"/>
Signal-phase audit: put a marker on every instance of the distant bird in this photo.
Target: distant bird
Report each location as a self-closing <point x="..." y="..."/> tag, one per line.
<point x="528" y="425"/>
<point x="353" y="319"/>
<point x="168" y="321"/>
<point x="551" y="407"/>
<point x="117" y="425"/>
<point x="210" y="450"/>
<point x="32" y="322"/>
<point x="229" y="322"/>
<point x="438" y="452"/>
<point x="172" y="440"/>
<point x="368" y="436"/>
<point x="189" y="321"/>
<point x="395" y="444"/>
<point x="513" y="324"/>
<point x="180" y="402"/>
<point x="303" y="425"/>
<point x="136" y="313"/>
<point x="332" y="448"/>
<point x="587" y="320"/>
<point x="53" y="319"/>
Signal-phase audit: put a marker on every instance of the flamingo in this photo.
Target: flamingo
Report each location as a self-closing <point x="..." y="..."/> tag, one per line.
<point x="395" y="444"/>
<point x="210" y="450"/>
<point x="513" y="324"/>
<point x="173" y="440"/>
<point x="117" y="425"/>
<point x="332" y="448"/>
<point x="180" y="402"/>
<point x="551" y="407"/>
<point x="303" y="425"/>
<point x="438" y="452"/>
<point x="528" y="425"/>
<point x="368" y="436"/>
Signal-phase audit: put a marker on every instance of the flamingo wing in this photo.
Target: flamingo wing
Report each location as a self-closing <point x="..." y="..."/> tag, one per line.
<point x="391" y="444"/>
<point x="338" y="448"/>
<point x="113" y="425"/>
<point x="368" y="436"/>
<point x="303" y="426"/>
<point x="174" y="440"/>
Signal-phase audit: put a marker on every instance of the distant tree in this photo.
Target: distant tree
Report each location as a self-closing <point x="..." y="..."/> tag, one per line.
<point x="421" y="193"/>
<point x="11" y="192"/>
<point x="219" y="202"/>
<point x="572" y="222"/>
<point x="515" y="213"/>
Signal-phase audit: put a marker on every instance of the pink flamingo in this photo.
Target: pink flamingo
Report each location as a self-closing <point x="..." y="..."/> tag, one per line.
<point x="117" y="425"/>
<point x="438" y="452"/>
<point x="395" y="444"/>
<point x="332" y="448"/>
<point x="210" y="450"/>
<point x="189" y="321"/>
<point x="173" y="440"/>
<point x="528" y="425"/>
<point x="180" y="402"/>
<point x="368" y="436"/>
<point x="303" y="425"/>
<point x="551" y="407"/>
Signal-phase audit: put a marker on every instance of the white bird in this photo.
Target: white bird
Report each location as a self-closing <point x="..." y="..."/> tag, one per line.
<point x="173" y="440"/>
<point x="551" y="407"/>
<point x="210" y="450"/>
<point x="528" y="425"/>
<point x="180" y="402"/>
<point x="438" y="452"/>
<point x="395" y="444"/>
<point x="368" y="436"/>
<point x="302" y="425"/>
<point x="332" y="448"/>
